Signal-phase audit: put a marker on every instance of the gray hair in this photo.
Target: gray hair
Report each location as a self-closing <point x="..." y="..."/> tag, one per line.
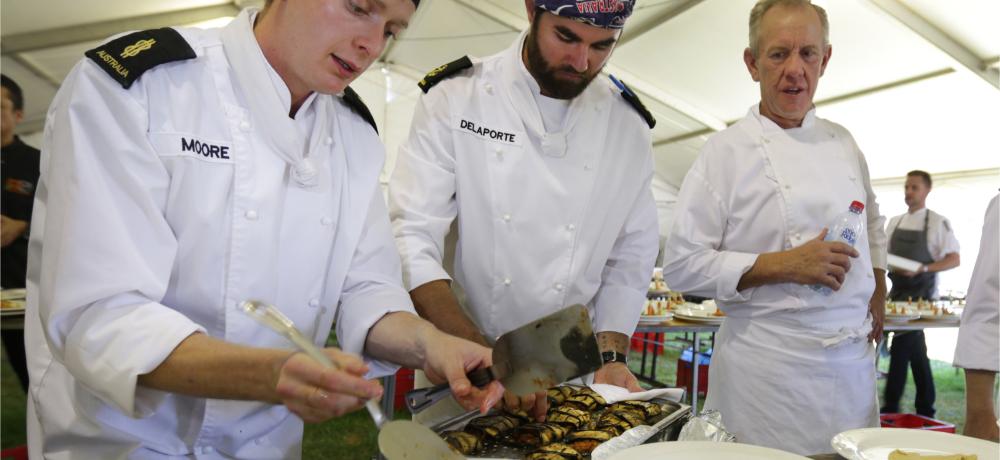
<point x="762" y="6"/>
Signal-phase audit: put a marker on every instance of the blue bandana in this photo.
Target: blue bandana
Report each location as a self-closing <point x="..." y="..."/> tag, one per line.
<point x="607" y="14"/>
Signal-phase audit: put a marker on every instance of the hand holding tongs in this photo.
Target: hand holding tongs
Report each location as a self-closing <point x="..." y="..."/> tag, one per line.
<point x="269" y="316"/>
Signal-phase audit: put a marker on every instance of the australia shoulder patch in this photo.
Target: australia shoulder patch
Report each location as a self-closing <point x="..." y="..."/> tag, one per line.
<point x="358" y="106"/>
<point x="127" y="57"/>
<point x="634" y="101"/>
<point x="443" y="72"/>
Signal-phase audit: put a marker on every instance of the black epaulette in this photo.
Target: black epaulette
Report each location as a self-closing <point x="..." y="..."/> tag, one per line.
<point x="634" y="101"/>
<point x="127" y="57"/>
<point x="358" y="106"/>
<point x="442" y="72"/>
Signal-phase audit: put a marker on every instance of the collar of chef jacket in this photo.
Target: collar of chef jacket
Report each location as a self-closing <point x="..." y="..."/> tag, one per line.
<point x="520" y="87"/>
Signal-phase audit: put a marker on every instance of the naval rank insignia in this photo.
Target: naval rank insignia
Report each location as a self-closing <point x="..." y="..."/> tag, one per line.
<point x="127" y="57"/>
<point x="443" y="72"/>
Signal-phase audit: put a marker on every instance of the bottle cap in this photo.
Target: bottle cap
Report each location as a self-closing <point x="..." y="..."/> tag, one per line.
<point x="857" y="205"/>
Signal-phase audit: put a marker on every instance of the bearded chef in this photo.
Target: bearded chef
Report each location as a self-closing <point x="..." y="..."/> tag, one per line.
<point x="545" y="168"/>
<point x="978" y="347"/>
<point x="792" y="367"/>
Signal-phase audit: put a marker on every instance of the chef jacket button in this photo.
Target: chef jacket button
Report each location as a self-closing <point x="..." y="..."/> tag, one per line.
<point x="571" y="227"/>
<point x="258" y="441"/>
<point x="328" y="140"/>
<point x="788" y="187"/>
<point x="326" y="221"/>
<point x="558" y="286"/>
<point x="506" y="281"/>
<point x="314" y="303"/>
<point x="506" y="217"/>
<point x="586" y="167"/>
<point x="250" y="214"/>
<point x="798" y="235"/>
<point x="489" y="88"/>
<point x="207" y="449"/>
<point x="244" y="126"/>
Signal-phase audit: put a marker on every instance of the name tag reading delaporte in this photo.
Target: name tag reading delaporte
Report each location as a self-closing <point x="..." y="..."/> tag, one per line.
<point x="489" y="133"/>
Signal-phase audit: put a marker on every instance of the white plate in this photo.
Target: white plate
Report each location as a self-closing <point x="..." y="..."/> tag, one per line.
<point x="650" y="319"/>
<point x="13" y="294"/>
<point x="901" y="318"/>
<point x="877" y="443"/>
<point x="940" y="318"/>
<point x="700" y="319"/>
<point x="703" y="450"/>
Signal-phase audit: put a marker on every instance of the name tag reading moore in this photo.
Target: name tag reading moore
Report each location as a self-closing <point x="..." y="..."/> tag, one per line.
<point x="185" y="145"/>
<point x="489" y="133"/>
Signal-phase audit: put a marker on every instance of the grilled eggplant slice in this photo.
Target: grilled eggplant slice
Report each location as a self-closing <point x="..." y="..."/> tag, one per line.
<point x="569" y="416"/>
<point x="587" y="391"/>
<point x="463" y="442"/>
<point x="557" y="395"/>
<point x="586" y="441"/>
<point x="583" y="401"/>
<point x="521" y="415"/>
<point x="539" y="434"/>
<point x="492" y="426"/>
<point x="555" y="451"/>
<point x="649" y="409"/>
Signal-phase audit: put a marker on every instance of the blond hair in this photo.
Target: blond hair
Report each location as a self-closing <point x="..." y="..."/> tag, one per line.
<point x="762" y="6"/>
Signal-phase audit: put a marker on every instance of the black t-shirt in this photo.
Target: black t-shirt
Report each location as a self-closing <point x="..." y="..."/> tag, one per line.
<point x="20" y="176"/>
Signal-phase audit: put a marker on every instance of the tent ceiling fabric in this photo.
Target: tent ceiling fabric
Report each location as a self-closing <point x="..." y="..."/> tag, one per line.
<point x="903" y="77"/>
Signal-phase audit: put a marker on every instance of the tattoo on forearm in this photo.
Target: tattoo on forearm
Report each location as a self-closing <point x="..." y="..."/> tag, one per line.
<point x="612" y="341"/>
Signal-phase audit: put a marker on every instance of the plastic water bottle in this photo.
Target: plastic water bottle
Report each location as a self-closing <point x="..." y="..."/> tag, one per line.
<point x="845" y="229"/>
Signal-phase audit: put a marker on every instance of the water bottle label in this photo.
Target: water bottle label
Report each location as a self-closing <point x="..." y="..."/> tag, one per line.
<point x="848" y="236"/>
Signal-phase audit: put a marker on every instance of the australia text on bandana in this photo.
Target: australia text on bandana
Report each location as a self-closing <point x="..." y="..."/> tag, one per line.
<point x="608" y="14"/>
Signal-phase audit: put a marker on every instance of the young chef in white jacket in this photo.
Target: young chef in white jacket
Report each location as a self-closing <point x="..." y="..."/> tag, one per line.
<point x="183" y="172"/>
<point x="792" y="367"/>
<point x="978" y="347"/>
<point x="547" y="171"/>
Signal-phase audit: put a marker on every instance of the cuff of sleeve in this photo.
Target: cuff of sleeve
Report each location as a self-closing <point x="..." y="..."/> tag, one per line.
<point x="734" y="265"/>
<point x="420" y="274"/>
<point x="111" y="368"/>
<point x="617" y="309"/>
<point x="358" y="317"/>
<point x="879" y="258"/>
<point x="976" y="347"/>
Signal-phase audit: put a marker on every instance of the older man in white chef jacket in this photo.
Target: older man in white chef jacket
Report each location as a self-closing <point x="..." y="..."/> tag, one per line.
<point x="792" y="366"/>
<point x="978" y="347"/>
<point x="183" y="172"/>
<point x="547" y="168"/>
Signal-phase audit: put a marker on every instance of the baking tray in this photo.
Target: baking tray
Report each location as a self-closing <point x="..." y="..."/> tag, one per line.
<point x="666" y="428"/>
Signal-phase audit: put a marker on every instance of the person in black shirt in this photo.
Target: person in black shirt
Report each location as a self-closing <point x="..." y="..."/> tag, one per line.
<point x="20" y="175"/>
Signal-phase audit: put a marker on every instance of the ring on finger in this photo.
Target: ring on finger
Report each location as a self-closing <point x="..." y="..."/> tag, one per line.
<point x="319" y="395"/>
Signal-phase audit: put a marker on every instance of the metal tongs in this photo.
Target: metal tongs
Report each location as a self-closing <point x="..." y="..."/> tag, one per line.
<point x="269" y="316"/>
<point x="397" y="439"/>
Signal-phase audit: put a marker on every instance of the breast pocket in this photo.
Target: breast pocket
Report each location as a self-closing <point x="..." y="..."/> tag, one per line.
<point x="201" y="173"/>
<point x="192" y="146"/>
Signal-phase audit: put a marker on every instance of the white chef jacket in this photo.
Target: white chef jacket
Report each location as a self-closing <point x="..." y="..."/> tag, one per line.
<point x="791" y="367"/>
<point x="978" y="344"/>
<point x="941" y="239"/>
<point x="137" y="244"/>
<point x="536" y="231"/>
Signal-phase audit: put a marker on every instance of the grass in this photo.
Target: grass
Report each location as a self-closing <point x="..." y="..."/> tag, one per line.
<point x="353" y="436"/>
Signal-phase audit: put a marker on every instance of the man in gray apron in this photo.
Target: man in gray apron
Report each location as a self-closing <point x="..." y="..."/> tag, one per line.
<point x="926" y="237"/>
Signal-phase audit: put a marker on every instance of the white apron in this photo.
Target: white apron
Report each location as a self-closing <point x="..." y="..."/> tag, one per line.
<point x="794" y="379"/>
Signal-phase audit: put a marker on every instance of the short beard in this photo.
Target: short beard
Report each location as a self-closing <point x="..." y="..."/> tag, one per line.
<point x="545" y="75"/>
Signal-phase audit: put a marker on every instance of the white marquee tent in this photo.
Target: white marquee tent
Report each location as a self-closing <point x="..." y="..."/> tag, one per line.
<point x="916" y="81"/>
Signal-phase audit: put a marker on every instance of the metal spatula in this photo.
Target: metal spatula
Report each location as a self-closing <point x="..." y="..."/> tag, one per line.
<point x="533" y="357"/>
<point x="397" y="439"/>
